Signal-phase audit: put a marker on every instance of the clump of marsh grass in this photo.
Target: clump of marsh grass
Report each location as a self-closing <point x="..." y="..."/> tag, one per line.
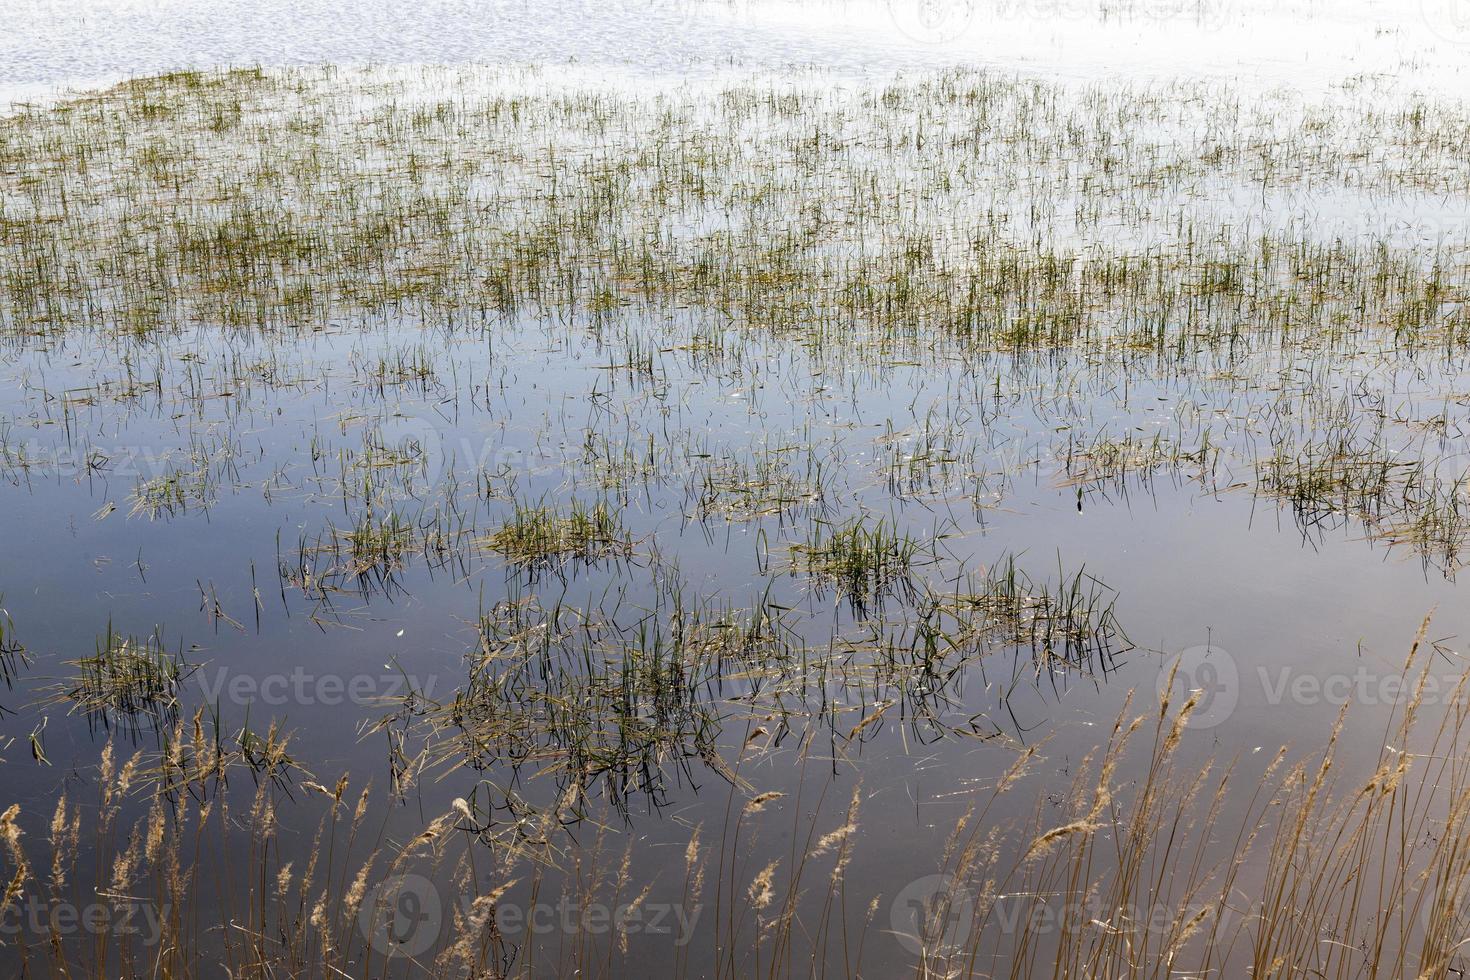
<point x="1118" y="461"/>
<point x="864" y="559"/>
<point x="128" y="678"/>
<point x="370" y="556"/>
<point x="539" y="534"/>
<point x="1400" y="499"/>
<point x="167" y="494"/>
<point x="746" y="491"/>
<point x="1068" y="622"/>
<point x="378" y="542"/>
<point x="575" y="693"/>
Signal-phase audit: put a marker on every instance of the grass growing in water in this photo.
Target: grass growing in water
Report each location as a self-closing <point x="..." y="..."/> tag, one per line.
<point x="542" y="535"/>
<point x="129" y="677"/>
<point x="12" y="653"/>
<point x="695" y="249"/>
<point x="1071" y="622"/>
<point x="864" y="559"/>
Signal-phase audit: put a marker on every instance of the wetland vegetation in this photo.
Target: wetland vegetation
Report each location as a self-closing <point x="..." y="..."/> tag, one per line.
<point x="710" y="507"/>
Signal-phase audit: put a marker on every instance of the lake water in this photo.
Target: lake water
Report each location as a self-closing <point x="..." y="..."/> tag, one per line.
<point x="307" y="516"/>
